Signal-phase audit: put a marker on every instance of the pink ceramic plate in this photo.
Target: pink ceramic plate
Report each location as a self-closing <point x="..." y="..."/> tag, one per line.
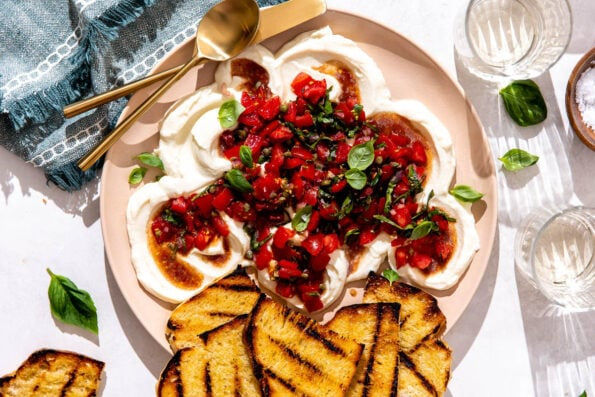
<point x="409" y="72"/>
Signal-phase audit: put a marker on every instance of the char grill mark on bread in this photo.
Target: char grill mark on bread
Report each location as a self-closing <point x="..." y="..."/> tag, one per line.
<point x="71" y="375"/>
<point x="231" y="296"/>
<point x="218" y="365"/>
<point x="424" y="368"/>
<point x="317" y="360"/>
<point x="376" y="326"/>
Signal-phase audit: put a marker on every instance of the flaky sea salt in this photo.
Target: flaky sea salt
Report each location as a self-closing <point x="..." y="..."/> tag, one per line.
<point x="585" y="96"/>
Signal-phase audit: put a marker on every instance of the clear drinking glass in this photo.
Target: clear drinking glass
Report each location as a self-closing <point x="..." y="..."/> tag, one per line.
<point x="556" y="249"/>
<point x="512" y="39"/>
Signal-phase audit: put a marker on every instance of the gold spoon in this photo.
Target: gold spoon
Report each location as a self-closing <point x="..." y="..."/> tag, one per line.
<point x="224" y="32"/>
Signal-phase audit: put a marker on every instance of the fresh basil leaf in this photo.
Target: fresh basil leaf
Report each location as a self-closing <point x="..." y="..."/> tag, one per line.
<point x="346" y="207"/>
<point x="229" y="112"/>
<point x="238" y="181"/>
<point x="70" y="304"/>
<point x="524" y="103"/>
<point x="414" y="181"/>
<point x="423" y="229"/>
<point x="389" y="196"/>
<point x="169" y="216"/>
<point x="361" y="156"/>
<point x="583" y="394"/>
<point x="351" y="232"/>
<point x="390" y="275"/>
<point x="384" y="219"/>
<point x="466" y="194"/>
<point x="357" y="110"/>
<point x="255" y="244"/>
<point x="246" y="156"/>
<point x="136" y="175"/>
<point x="356" y="178"/>
<point x="301" y="218"/>
<point x="518" y="159"/>
<point x="151" y="160"/>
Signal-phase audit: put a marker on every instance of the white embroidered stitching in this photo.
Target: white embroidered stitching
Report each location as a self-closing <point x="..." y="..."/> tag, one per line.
<point x="61" y="52"/>
<point x="80" y="137"/>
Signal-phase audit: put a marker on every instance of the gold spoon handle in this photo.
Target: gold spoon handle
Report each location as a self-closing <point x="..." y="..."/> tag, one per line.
<point x="90" y="158"/>
<point x="97" y="100"/>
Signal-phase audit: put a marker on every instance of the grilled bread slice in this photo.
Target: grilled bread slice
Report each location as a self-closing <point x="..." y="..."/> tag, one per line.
<point x="420" y="317"/>
<point x="293" y="355"/>
<point x="49" y="373"/>
<point x="376" y="326"/>
<point x="231" y="296"/>
<point x="425" y="360"/>
<point x="218" y="365"/>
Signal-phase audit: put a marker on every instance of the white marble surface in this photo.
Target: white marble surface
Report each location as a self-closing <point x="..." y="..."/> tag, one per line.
<point x="509" y="342"/>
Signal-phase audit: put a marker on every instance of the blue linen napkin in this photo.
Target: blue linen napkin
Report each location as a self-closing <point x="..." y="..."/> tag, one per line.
<point x="56" y="52"/>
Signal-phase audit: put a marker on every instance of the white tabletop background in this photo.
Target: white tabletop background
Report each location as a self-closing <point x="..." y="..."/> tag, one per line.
<point x="509" y="342"/>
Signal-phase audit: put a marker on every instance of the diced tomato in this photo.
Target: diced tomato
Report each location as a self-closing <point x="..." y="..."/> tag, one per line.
<point x="204" y="204"/>
<point x="398" y="241"/>
<point x="418" y="155"/>
<point x="288" y="273"/>
<point x="188" y="242"/>
<point x="281" y="236"/>
<point x="366" y="236"/>
<point x="402" y="153"/>
<point x="293" y="162"/>
<point x="443" y="250"/>
<point x="312" y="302"/>
<point x="314" y="220"/>
<point x="337" y="187"/>
<point x="222" y="199"/>
<point x="424" y="245"/>
<point x="265" y="186"/>
<point x="401" y="256"/>
<point x="343" y="113"/>
<point x="322" y="151"/>
<point x="319" y="262"/>
<point x="291" y="113"/>
<point x="331" y="243"/>
<point x="277" y="156"/>
<point x="441" y="222"/>
<point x="297" y="186"/>
<point x="313" y="244"/>
<point x="400" y="140"/>
<point x="280" y="134"/>
<point x="162" y="230"/>
<point x="303" y="121"/>
<point x="330" y="211"/>
<point x="251" y="120"/>
<point x="203" y="238"/>
<point x="420" y="261"/>
<point x="232" y="153"/>
<point x="314" y="91"/>
<point x="179" y="205"/>
<point x="270" y="108"/>
<point x="299" y="82"/>
<point x="302" y="153"/>
<point x="308" y="287"/>
<point x="263" y="257"/>
<point x="241" y="211"/>
<point x="342" y="152"/>
<point x="255" y="143"/>
<point x="401" y="216"/>
<point x="311" y="195"/>
<point x="220" y="226"/>
<point x="227" y="138"/>
<point x="288" y="264"/>
<point x="285" y="289"/>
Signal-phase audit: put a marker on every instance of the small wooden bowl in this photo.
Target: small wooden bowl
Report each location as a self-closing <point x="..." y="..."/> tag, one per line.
<point x="582" y="130"/>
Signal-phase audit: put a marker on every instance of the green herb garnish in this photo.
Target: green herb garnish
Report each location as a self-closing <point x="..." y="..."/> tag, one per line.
<point x="524" y="103"/>
<point x="390" y="275"/>
<point x="246" y="156"/>
<point x="361" y="156"/>
<point x="229" y="112"/>
<point x="136" y="175"/>
<point x="238" y="181"/>
<point x="356" y="178"/>
<point x="423" y="229"/>
<point x="301" y="218"/>
<point x="518" y="159"/>
<point x="151" y="160"/>
<point x="70" y="304"/>
<point x="466" y="193"/>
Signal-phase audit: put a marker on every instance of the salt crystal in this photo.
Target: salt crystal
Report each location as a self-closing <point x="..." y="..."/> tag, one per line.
<point x="585" y="96"/>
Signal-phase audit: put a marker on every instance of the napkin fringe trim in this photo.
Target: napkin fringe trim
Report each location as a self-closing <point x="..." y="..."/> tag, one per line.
<point x="70" y="177"/>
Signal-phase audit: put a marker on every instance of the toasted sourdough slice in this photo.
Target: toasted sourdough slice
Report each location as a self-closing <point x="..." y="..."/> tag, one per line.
<point x="49" y="373"/>
<point x="425" y="360"/>
<point x="376" y="326"/>
<point x="231" y="296"/>
<point x="293" y="355"/>
<point x="218" y="365"/>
